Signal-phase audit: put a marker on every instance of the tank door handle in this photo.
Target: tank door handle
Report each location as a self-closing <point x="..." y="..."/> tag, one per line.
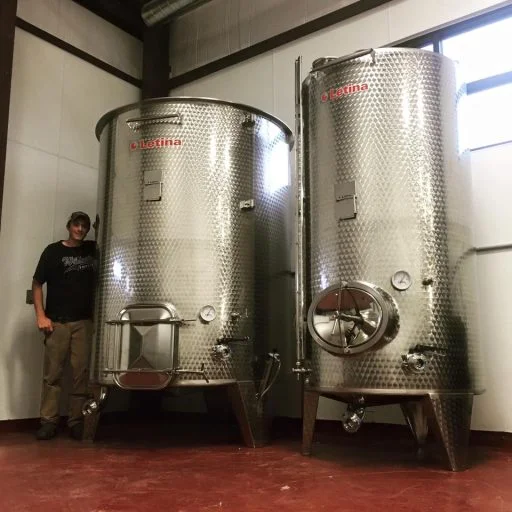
<point x="346" y="200"/>
<point x="136" y="123"/>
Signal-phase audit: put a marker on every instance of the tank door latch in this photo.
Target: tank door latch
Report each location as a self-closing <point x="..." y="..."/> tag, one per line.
<point x="346" y="204"/>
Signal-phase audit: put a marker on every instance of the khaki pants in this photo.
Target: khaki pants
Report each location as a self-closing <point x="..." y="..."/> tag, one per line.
<point x="73" y="339"/>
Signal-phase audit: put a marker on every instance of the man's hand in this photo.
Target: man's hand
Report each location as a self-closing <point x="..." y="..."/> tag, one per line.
<point x="44" y="324"/>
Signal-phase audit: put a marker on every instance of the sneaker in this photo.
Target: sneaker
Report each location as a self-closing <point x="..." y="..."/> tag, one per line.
<point x="47" y="431"/>
<point x="77" y="431"/>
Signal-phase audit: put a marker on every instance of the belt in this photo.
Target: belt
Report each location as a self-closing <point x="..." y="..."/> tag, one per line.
<point x="66" y="319"/>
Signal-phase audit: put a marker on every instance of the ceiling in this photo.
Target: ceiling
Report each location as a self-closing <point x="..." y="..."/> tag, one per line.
<point x="125" y="14"/>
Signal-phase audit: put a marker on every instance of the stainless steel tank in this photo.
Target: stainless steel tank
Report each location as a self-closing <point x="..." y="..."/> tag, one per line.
<point x="386" y="272"/>
<point x="193" y="234"/>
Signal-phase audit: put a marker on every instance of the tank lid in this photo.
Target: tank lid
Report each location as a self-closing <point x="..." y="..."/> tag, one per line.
<point x="106" y="118"/>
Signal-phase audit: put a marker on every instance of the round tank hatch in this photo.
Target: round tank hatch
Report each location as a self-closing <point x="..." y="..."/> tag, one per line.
<point x="352" y="318"/>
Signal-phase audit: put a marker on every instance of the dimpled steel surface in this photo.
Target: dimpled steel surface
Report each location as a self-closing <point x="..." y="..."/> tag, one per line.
<point x="195" y="246"/>
<point x="398" y="140"/>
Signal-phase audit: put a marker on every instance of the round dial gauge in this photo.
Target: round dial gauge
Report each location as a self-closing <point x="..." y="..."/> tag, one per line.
<point x="207" y="313"/>
<point x="401" y="280"/>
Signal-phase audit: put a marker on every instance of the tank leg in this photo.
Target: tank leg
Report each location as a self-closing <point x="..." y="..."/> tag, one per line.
<point x="308" y="419"/>
<point x="91" y="420"/>
<point x="450" y="416"/>
<point x="414" y="413"/>
<point x="248" y="412"/>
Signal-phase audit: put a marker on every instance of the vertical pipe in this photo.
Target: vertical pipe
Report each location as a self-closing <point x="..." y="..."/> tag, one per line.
<point x="299" y="273"/>
<point x="7" y="28"/>
<point x="155" y="63"/>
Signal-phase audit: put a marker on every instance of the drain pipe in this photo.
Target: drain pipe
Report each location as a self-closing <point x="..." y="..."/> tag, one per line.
<point x="161" y="11"/>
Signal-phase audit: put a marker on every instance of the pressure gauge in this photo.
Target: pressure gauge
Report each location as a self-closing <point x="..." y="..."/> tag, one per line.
<point x="207" y="314"/>
<point x="401" y="280"/>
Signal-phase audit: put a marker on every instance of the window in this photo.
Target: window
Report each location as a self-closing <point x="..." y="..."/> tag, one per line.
<point x="481" y="46"/>
<point x="489" y="116"/>
<point x="482" y="52"/>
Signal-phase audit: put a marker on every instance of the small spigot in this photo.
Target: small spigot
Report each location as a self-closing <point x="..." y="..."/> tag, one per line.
<point x="300" y="369"/>
<point x="419" y="357"/>
<point x="416" y="362"/>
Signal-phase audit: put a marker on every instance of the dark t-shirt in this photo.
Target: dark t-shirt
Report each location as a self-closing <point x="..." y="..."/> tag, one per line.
<point x="70" y="276"/>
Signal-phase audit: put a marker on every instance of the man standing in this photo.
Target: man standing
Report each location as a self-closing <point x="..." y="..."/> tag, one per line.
<point x="68" y="269"/>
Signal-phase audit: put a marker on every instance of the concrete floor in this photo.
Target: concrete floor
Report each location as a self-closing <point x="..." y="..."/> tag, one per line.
<point x="177" y="466"/>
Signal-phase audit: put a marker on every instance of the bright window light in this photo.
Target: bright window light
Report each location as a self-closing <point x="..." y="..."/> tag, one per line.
<point x="482" y="52"/>
<point x="277" y="169"/>
<point x="489" y="115"/>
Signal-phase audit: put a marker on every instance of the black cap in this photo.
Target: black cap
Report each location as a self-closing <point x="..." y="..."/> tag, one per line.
<point x="79" y="215"/>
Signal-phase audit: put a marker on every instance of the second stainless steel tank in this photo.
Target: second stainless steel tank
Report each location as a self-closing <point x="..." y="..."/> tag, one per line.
<point x="387" y="272"/>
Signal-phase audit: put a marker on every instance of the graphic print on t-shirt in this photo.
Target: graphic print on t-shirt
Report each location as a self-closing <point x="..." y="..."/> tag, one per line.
<point x="77" y="263"/>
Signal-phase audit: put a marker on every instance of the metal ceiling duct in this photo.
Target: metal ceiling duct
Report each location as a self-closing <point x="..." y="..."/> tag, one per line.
<point x="161" y="11"/>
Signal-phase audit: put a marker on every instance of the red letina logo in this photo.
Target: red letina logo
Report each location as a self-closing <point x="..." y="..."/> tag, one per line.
<point x="344" y="90"/>
<point x="161" y="142"/>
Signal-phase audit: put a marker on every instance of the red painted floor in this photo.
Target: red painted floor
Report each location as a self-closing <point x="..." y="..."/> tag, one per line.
<point x="189" y="468"/>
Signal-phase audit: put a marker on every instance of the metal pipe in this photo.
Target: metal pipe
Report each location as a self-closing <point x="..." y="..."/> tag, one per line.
<point x="492" y="248"/>
<point x="273" y="364"/>
<point x="299" y="273"/>
<point x="161" y="11"/>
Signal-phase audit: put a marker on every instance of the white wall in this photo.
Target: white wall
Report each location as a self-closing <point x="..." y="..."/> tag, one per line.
<point x="51" y="170"/>
<point x="81" y="28"/>
<point x="492" y="183"/>
<point x="267" y="82"/>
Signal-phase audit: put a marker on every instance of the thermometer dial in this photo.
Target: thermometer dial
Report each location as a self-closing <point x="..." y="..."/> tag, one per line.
<point x="207" y="313"/>
<point x="401" y="280"/>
